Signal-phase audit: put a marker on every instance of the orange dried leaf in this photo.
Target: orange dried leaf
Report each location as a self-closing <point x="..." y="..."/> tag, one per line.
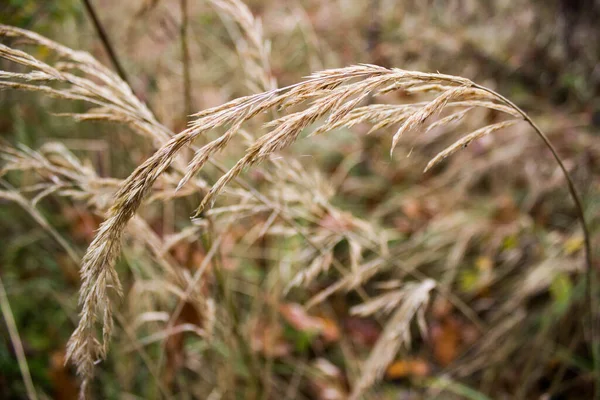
<point x="329" y="329"/>
<point x="362" y="331"/>
<point x="446" y="341"/>
<point x="407" y="368"/>
<point x="64" y="384"/>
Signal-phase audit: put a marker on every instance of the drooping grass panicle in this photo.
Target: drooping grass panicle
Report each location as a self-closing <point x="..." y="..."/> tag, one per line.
<point x="466" y="140"/>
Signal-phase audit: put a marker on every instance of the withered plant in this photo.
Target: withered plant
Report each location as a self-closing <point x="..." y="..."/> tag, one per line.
<point x="325" y="101"/>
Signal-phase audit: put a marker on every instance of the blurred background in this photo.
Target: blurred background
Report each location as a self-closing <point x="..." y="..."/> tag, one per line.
<point x="494" y="226"/>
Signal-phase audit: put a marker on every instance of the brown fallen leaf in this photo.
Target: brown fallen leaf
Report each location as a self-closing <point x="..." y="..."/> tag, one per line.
<point x="83" y="223"/>
<point x="330" y="331"/>
<point x="506" y="210"/>
<point x="362" y="331"/>
<point x="407" y="368"/>
<point x="64" y="384"/>
<point x="446" y="340"/>
<point x="174" y="346"/>
<point x="412" y="208"/>
<point x="441" y="308"/>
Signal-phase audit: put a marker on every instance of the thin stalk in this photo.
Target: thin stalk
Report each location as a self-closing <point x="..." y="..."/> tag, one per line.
<point x="243" y="344"/>
<point x="185" y="60"/>
<point x="590" y="276"/>
<point x="570" y="184"/>
<point x="16" y="341"/>
<point x="112" y="55"/>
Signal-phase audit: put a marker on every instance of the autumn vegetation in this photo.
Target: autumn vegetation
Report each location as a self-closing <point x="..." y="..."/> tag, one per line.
<point x="302" y="200"/>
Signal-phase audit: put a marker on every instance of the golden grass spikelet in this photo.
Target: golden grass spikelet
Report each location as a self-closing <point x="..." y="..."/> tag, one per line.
<point x="414" y="298"/>
<point x="434" y="107"/>
<point x="487" y="104"/>
<point x="466" y="140"/>
<point x="203" y="154"/>
<point x="320" y="264"/>
<point x="457" y="116"/>
<point x="254" y="51"/>
<point x="381" y="115"/>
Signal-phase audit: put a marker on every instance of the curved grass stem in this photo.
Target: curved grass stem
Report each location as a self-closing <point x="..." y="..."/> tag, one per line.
<point x="590" y="276"/>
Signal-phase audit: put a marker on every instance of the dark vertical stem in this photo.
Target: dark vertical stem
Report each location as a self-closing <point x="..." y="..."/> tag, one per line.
<point x="185" y="53"/>
<point x="374" y="30"/>
<point x="105" y="41"/>
<point x="373" y="36"/>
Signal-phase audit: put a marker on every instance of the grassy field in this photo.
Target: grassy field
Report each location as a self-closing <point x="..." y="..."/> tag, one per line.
<point x="299" y="199"/>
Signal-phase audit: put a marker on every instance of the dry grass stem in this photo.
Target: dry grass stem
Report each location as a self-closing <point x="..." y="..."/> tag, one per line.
<point x="16" y="342"/>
